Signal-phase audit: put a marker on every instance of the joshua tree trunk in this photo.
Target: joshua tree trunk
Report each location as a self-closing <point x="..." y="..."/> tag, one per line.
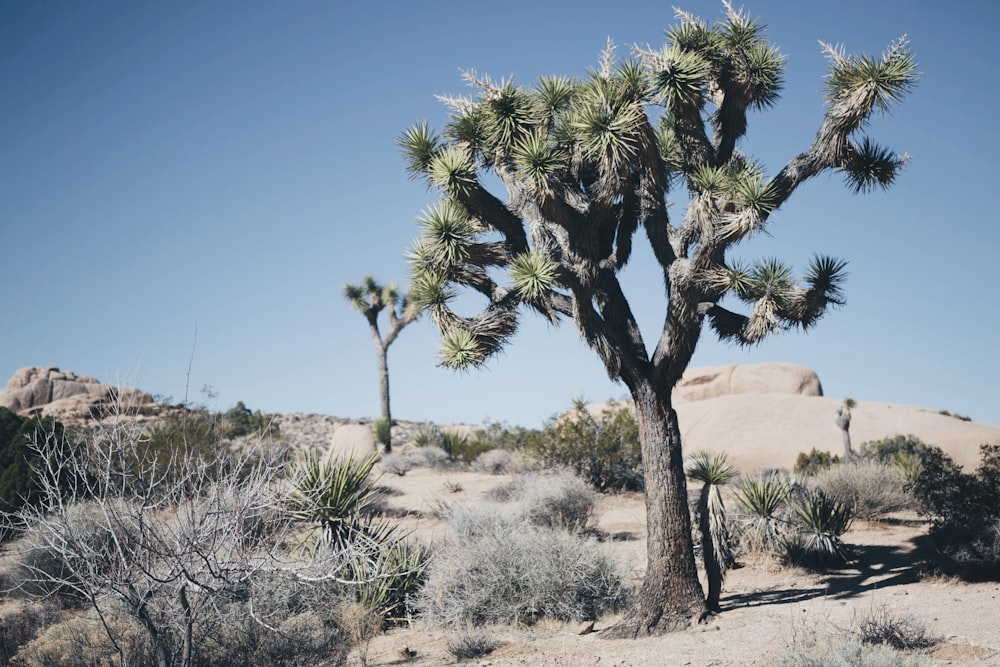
<point x="671" y="597"/>
<point x="383" y="386"/>
<point x="713" y="564"/>
<point x="844" y="424"/>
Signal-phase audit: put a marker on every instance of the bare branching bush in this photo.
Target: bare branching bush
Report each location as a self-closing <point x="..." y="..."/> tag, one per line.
<point x="164" y="546"/>
<point x="871" y="489"/>
<point x="494" y="566"/>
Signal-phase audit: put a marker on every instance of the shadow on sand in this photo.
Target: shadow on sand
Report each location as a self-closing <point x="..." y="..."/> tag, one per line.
<point x="874" y="567"/>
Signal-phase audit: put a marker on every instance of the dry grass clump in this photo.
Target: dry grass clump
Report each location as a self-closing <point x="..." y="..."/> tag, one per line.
<point x="884" y="627"/>
<point x="871" y="489"/>
<point x="847" y="653"/>
<point x="471" y="644"/>
<point x="495" y="566"/>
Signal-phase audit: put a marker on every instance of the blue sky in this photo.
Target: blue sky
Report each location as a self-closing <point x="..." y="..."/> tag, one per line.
<point x="190" y="184"/>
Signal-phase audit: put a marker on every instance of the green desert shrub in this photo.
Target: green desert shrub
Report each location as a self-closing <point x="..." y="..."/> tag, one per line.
<point x="602" y="449"/>
<point x="889" y="449"/>
<point x="383" y="431"/>
<point x="871" y="489"/>
<point x="18" y="460"/>
<point x="965" y="515"/>
<point x="814" y="461"/>
<point x="337" y="498"/>
<point x="494" y="566"/>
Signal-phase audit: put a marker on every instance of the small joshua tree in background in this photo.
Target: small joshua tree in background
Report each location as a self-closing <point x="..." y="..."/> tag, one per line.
<point x="844" y="424"/>
<point x="716" y="547"/>
<point x="370" y="299"/>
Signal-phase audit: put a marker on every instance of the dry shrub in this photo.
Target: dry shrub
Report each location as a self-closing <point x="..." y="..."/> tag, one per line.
<point x="471" y="644"/>
<point x="495" y="566"/>
<point x="82" y="641"/>
<point x="498" y="462"/>
<point x="847" y="653"/>
<point x="553" y="498"/>
<point x="870" y="488"/>
<point x="901" y="631"/>
<point x="360" y="623"/>
<point x="21" y="622"/>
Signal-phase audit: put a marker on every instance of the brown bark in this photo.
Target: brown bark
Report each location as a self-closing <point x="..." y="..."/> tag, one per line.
<point x="671" y="596"/>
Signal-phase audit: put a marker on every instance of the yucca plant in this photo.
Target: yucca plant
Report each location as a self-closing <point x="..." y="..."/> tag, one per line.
<point x="388" y="572"/>
<point x="821" y="521"/>
<point x="334" y="495"/>
<point x="762" y="498"/>
<point x="716" y="546"/>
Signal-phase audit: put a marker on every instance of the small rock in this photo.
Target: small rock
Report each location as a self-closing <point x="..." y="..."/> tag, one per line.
<point x="585" y="628"/>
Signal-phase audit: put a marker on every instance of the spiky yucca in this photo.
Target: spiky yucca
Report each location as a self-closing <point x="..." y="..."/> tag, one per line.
<point x="716" y="546"/>
<point x="762" y="499"/>
<point x="821" y="521"/>
<point x="588" y="163"/>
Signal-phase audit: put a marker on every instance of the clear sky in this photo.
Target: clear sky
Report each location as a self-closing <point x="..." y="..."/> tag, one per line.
<point x="190" y="184"/>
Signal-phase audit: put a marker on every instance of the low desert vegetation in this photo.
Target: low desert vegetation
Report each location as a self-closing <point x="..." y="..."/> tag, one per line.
<point x="204" y="556"/>
<point x="964" y="513"/>
<point x="782" y="518"/>
<point x="870" y="488"/>
<point x="521" y="560"/>
<point x="602" y="449"/>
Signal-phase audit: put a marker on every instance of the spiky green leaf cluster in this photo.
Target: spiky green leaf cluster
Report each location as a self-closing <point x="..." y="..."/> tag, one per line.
<point x="539" y="160"/>
<point x="709" y="468"/>
<point x="826" y="277"/>
<point x="460" y="349"/>
<point x="419" y="144"/>
<point x="333" y="495"/>
<point x="869" y="166"/>
<point x="452" y="170"/>
<point x="763" y="496"/>
<point x="533" y="274"/>
<point x="869" y="83"/>
<point x="446" y="235"/>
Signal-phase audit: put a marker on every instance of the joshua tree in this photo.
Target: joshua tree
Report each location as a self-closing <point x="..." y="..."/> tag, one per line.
<point x="716" y="549"/>
<point x="370" y="299"/>
<point x="587" y="164"/>
<point x="844" y="424"/>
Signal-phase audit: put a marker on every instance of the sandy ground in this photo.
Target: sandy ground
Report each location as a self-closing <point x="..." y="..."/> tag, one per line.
<point x="765" y="608"/>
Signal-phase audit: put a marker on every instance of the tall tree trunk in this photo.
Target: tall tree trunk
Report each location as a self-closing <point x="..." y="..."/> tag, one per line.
<point x="383" y="382"/>
<point x="671" y="597"/>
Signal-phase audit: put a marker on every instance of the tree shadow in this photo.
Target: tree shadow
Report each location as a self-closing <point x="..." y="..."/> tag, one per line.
<point x="874" y="567"/>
